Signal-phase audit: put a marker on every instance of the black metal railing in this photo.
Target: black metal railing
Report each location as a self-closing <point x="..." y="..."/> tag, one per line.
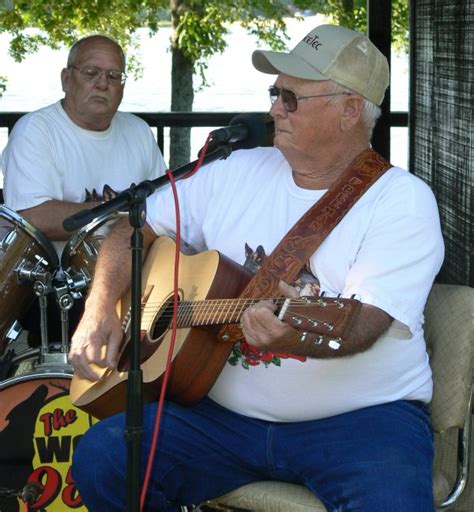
<point x="157" y="120"/>
<point x="162" y="120"/>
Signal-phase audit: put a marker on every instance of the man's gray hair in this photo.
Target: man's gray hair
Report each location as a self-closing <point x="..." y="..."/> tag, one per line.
<point x="71" y="59"/>
<point x="370" y="113"/>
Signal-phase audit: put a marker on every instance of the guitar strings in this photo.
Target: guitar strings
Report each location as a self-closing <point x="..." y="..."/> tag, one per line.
<point x="230" y="308"/>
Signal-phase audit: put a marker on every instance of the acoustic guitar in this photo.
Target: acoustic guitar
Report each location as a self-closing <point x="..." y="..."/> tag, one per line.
<point x="208" y="285"/>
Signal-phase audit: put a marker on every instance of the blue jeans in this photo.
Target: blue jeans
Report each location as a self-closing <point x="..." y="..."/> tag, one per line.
<point x="377" y="459"/>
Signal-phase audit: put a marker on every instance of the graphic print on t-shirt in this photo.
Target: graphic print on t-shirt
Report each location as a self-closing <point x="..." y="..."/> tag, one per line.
<point x="107" y="194"/>
<point x="247" y="355"/>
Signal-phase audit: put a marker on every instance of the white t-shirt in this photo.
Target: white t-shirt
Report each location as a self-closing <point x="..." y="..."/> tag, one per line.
<point x="387" y="250"/>
<point x="49" y="157"/>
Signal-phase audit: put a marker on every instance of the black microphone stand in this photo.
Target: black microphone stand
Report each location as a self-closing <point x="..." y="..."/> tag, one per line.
<point x="133" y="426"/>
<point x="133" y="200"/>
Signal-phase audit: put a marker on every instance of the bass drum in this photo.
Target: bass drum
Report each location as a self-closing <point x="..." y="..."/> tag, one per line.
<point x="39" y="429"/>
<point x="22" y="246"/>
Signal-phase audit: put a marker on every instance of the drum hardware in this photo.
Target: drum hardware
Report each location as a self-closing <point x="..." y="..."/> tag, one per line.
<point x="77" y="282"/>
<point x="30" y="271"/>
<point x="8" y="239"/>
<point x="24" y="365"/>
<point x="66" y="288"/>
<point x="6" y="362"/>
<point x="13" y="332"/>
<point x="29" y="494"/>
<point x="43" y="286"/>
<point x="27" y="271"/>
<point x="24" y="254"/>
<point x="5" y="359"/>
<point x="65" y="302"/>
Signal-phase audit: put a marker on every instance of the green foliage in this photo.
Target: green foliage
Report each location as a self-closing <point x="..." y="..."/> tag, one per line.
<point x="3" y="85"/>
<point x="400" y="25"/>
<point x="200" y="26"/>
<point x="200" y="30"/>
<point x="62" y="22"/>
<point x="353" y="14"/>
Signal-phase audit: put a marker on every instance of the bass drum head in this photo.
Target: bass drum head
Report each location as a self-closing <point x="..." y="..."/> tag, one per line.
<point x="39" y="429"/>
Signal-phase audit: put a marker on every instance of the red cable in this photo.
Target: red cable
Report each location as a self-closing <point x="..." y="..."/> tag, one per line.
<point x="174" y="323"/>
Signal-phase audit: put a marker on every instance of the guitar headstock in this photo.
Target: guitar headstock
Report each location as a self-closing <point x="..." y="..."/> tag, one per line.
<point x="320" y="315"/>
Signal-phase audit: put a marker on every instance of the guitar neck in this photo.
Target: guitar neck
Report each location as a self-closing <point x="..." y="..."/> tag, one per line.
<point x="313" y="314"/>
<point x="215" y="312"/>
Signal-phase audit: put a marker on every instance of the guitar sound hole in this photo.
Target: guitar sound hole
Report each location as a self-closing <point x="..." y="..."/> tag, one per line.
<point x="149" y="344"/>
<point x="162" y="322"/>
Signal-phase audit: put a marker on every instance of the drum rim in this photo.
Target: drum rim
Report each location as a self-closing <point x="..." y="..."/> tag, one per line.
<point x="78" y="237"/>
<point x="44" y="374"/>
<point x="34" y="232"/>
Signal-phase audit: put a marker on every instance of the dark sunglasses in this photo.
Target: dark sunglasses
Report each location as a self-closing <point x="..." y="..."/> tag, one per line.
<point x="289" y="98"/>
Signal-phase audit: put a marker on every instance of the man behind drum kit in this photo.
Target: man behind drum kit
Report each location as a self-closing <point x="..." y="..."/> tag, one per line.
<point x="74" y="153"/>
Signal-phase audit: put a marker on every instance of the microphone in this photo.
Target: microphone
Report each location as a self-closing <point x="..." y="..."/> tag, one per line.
<point x="31" y="492"/>
<point x="247" y="130"/>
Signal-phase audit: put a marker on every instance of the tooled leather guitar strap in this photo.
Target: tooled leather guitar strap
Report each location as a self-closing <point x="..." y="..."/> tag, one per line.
<point x="302" y="240"/>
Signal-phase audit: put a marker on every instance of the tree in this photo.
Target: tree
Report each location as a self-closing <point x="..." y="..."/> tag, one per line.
<point x="199" y="30"/>
<point x="353" y="14"/>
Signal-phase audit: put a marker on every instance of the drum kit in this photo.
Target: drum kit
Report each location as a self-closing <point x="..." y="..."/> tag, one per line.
<point x="39" y="426"/>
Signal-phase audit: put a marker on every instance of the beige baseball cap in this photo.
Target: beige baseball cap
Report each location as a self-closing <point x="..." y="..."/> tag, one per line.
<point x="331" y="52"/>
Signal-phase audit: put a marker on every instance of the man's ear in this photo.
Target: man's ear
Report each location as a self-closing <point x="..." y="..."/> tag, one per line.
<point x="65" y="79"/>
<point x="352" y="111"/>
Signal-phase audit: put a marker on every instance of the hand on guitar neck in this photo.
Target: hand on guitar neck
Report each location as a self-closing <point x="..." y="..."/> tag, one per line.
<point x="319" y="327"/>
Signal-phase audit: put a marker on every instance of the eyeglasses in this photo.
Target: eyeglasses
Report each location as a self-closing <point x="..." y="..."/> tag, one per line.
<point x="91" y="73"/>
<point x="289" y="98"/>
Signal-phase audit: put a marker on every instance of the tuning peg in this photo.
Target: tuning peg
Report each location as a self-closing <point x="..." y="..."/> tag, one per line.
<point x="319" y="339"/>
<point x="328" y="326"/>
